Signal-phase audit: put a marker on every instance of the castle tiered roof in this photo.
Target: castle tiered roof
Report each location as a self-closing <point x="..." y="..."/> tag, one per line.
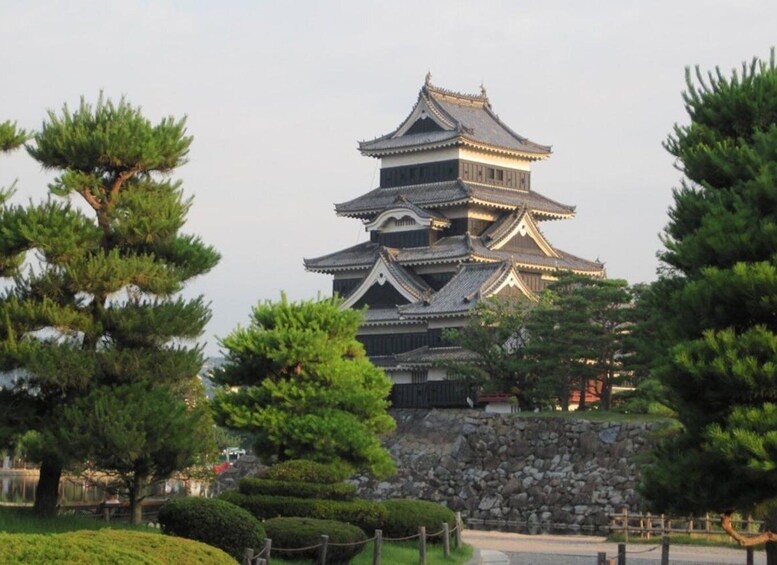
<point x="453" y="249"/>
<point x="454" y="220"/>
<point x="443" y="118"/>
<point x="439" y="195"/>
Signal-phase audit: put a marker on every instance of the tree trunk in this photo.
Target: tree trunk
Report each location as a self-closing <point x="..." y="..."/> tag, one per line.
<point x="581" y="406"/>
<point x="47" y="491"/>
<point x="606" y="395"/>
<point x="135" y="495"/>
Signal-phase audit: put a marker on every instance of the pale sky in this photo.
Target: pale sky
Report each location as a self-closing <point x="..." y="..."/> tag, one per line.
<point x="277" y="95"/>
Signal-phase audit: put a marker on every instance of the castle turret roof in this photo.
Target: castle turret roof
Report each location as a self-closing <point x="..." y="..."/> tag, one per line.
<point x="444" y="118"/>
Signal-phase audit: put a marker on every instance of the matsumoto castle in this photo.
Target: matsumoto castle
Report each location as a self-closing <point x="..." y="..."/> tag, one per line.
<point x="454" y="220"/>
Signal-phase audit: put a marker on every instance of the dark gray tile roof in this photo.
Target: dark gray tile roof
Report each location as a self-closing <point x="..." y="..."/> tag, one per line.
<point x="405" y="277"/>
<point x="448" y="250"/>
<point x="434" y="355"/>
<point x="449" y="193"/>
<point x="461" y="293"/>
<point x="401" y="201"/>
<point x="465" y="119"/>
<point x="423" y="356"/>
<point x="361" y="256"/>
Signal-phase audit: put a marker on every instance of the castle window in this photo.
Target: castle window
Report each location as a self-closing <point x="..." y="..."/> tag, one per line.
<point x="491" y="173"/>
<point x="419" y="376"/>
<point x="500" y="175"/>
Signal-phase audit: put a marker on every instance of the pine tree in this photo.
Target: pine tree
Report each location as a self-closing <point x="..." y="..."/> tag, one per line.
<point x="577" y="338"/>
<point x="95" y="312"/>
<point x="717" y="299"/>
<point x="496" y="336"/>
<point x="301" y="384"/>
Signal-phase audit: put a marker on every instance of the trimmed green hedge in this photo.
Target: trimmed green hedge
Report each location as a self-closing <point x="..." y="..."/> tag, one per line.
<point x="291" y="533"/>
<point x="106" y="547"/>
<point x="404" y="517"/>
<point x="364" y="514"/>
<point x="303" y="471"/>
<point x="336" y="491"/>
<point x="215" y="522"/>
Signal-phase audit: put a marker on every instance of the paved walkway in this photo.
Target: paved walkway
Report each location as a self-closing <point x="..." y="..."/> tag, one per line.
<point x="519" y="549"/>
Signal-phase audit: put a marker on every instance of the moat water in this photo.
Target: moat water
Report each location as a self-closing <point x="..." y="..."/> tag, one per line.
<point x="20" y="489"/>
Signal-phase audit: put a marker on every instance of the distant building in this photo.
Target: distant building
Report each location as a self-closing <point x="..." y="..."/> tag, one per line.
<point x="454" y="220"/>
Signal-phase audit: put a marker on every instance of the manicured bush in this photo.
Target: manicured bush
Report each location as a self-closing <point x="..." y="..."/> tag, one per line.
<point x="336" y="491"/>
<point x="304" y="471"/>
<point x="212" y="521"/>
<point x="290" y="533"/>
<point x="107" y="547"/>
<point x="404" y="517"/>
<point x="364" y="514"/>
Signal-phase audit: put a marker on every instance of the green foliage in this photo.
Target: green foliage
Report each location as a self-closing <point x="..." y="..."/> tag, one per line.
<point x="716" y="298"/>
<point x="306" y="388"/>
<point x="293" y="533"/>
<point x="134" y="430"/>
<point x="11" y="137"/>
<point x="365" y="514"/>
<point x="215" y="522"/>
<point x="94" y="331"/>
<point x="406" y="516"/>
<point x="106" y="547"/>
<point x="496" y="334"/>
<point x="305" y="471"/>
<point x="578" y="333"/>
<point x="338" y="491"/>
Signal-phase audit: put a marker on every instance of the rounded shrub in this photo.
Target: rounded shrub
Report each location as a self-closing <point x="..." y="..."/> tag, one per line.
<point x="365" y="514"/>
<point x="336" y="491"/>
<point x="293" y="533"/>
<point x="303" y="471"/>
<point x="107" y="547"/>
<point x="212" y="521"/>
<point x="404" y="517"/>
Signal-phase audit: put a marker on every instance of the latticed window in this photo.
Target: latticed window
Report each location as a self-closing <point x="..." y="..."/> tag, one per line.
<point x="419" y="376"/>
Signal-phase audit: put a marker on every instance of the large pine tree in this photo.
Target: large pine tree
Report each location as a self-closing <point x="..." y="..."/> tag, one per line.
<point x="94" y="310"/>
<point x="717" y="298"/>
<point x="300" y="383"/>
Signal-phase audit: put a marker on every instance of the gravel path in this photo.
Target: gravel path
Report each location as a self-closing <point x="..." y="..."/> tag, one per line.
<point x="583" y="550"/>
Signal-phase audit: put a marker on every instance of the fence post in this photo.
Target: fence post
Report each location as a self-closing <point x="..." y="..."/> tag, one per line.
<point x="750" y="556"/>
<point x="626" y="524"/>
<point x="665" y="550"/>
<point x="422" y="545"/>
<point x="707" y="523"/>
<point x="459" y="527"/>
<point x="248" y="556"/>
<point x="446" y="540"/>
<point x="621" y="554"/>
<point x="267" y="549"/>
<point x="322" y="549"/>
<point x="601" y="558"/>
<point x="376" y="549"/>
<point x="649" y="525"/>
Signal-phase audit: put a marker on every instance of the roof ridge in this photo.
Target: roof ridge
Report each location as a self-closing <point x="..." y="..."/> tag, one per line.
<point x="432" y="89"/>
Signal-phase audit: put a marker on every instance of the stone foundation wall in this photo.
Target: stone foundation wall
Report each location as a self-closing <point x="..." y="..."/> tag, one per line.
<point x="515" y="468"/>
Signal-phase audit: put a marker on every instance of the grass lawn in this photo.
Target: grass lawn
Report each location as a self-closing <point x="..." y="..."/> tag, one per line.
<point x="401" y="554"/>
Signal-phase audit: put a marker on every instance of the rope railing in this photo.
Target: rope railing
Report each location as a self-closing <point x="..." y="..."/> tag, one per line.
<point x="263" y="556"/>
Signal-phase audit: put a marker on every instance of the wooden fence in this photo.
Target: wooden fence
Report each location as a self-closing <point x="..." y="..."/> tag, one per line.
<point x="648" y="525"/>
<point x="432" y="394"/>
<point x="264" y="556"/>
